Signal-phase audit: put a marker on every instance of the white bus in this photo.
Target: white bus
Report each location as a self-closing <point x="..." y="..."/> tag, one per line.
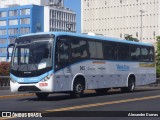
<point x="51" y="62"/>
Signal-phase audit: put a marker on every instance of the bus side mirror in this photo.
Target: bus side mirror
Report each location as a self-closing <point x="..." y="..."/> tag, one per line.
<point x="10" y="45"/>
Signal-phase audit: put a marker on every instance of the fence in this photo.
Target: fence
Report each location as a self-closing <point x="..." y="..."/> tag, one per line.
<point x="4" y="81"/>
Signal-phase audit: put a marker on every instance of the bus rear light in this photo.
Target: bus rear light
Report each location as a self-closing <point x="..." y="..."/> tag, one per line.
<point x="43" y="84"/>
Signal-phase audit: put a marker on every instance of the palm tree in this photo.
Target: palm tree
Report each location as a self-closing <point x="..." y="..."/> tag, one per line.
<point x="130" y="38"/>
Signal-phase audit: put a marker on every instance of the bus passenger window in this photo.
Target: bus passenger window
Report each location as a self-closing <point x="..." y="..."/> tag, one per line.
<point x="96" y="50"/>
<point x="135" y="53"/>
<point x="151" y="54"/>
<point x="144" y="54"/>
<point x="110" y="51"/>
<point x="62" y="53"/>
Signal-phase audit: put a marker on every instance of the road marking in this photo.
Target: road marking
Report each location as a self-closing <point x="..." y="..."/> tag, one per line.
<point x="31" y="94"/>
<point x="101" y="104"/>
<point x="15" y="96"/>
<point x="94" y="105"/>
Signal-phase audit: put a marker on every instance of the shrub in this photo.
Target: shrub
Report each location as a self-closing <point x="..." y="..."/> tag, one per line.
<point x="4" y="68"/>
<point x="4" y="71"/>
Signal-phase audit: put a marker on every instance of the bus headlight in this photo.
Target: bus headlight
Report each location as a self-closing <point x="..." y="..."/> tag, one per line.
<point x="12" y="80"/>
<point x="46" y="78"/>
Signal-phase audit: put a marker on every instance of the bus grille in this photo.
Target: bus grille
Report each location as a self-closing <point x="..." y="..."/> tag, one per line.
<point x="28" y="88"/>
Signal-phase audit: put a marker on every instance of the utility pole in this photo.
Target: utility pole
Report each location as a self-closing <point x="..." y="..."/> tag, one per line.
<point x="141" y="35"/>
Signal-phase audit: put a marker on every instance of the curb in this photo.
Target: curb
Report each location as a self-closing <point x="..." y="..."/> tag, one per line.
<point x="16" y="95"/>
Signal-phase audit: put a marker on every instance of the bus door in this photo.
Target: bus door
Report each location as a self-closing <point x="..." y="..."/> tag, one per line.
<point x="62" y="65"/>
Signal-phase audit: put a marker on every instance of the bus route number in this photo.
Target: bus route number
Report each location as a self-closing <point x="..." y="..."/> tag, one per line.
<point x="82" y="67"/>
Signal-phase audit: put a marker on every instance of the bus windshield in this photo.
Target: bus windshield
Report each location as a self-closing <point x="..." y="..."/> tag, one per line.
<point x="32" y="54"/>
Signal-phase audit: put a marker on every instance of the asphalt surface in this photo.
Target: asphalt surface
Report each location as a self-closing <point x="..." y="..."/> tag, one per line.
<point x="92" y="106"/>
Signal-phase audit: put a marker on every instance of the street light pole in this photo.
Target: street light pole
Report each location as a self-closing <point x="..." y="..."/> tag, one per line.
<point x="141" y="11"/>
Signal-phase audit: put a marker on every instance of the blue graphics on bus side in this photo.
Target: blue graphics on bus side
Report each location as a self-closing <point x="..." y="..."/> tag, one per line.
<point x="122" y="67"/>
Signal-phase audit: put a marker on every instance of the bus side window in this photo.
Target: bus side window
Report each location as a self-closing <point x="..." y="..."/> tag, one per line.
<point x="110" y="51"/>
<point x="151" y="54"/>
<point x="135" y="53"/>
<point x="62" y="53"/>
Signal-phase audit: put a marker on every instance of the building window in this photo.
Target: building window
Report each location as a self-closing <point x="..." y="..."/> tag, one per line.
<point x="13" y="13"/>
<point x="3" y="23"/>
<point x="25" y="21"/>
<point x="25" y="12"/>
<point x="3" y="50"/>
<point x="13" y="31"/>
<point x="13" y="22"/>
<point x="87" y="4"/>
<point x="136" y="34"/>
<point x="105" y="2"/>
<point x="2" y="41"/>
<point x="24" y="30"/>
<point x="3" y="32"/>
<point x="3" y="14"/>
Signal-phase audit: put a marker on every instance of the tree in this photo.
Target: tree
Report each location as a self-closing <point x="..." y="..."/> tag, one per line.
<point x="158" y="56"/>
<point x="130" y="38"/>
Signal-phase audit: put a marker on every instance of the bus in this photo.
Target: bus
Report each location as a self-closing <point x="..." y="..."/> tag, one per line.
<point x="62" y="62"/>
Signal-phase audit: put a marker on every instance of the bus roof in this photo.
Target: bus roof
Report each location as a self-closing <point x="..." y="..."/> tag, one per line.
<point x="105" y="38"/>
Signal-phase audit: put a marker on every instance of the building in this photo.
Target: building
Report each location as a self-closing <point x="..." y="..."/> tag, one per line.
<point x="139" y="18"/>
<point x="59" y="19"/>
<point x="19" y="20"/>
<point x="7" y="3"/>
<point x="16" y="20"/>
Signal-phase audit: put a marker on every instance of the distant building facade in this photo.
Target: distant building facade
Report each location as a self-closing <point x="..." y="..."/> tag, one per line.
<point x="16" y="20"/>
<point x="139" y="18"/>
<point x="59" y="19"/>
<point x="7" y="3"/>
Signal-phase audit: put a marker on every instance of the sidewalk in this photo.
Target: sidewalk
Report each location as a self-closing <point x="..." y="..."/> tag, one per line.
<point x="5" y="91"/>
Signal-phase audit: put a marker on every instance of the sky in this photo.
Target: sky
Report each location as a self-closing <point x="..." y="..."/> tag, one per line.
<point x="75" y="5"/>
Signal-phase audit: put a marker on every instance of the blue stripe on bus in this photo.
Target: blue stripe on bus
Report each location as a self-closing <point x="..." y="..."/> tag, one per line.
<point x="24" y="80"/>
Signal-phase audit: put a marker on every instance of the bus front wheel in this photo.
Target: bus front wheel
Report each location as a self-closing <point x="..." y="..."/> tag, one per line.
<point x="42" y="95"/>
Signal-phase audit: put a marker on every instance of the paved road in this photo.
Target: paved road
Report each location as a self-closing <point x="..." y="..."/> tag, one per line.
<point x="143" y="99"/>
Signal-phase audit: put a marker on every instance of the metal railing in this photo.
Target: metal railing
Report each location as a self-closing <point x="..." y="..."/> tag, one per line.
<point x="4" y="81"/>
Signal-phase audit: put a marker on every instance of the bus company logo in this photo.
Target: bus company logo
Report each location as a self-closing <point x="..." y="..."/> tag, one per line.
<point x="122" y="67"/>
<point x="6" y="114"/>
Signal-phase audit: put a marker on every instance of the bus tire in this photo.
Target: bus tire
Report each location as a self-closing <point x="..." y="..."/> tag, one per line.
<point x="78" y="89"/>
<point x="131" y="85"/>
<point x="42" y="96"/>
<point x="102" y="90"/>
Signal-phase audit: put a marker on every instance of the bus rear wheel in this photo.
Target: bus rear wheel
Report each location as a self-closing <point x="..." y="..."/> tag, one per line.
<point x="42" y="96"/>
<point x="102" y="90"/>
<point x="131" y="85"/>
<point x="78" y="89"/>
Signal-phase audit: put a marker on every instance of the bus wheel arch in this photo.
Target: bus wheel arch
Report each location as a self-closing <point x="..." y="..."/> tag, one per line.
<point x="78" y="86"/>
<point x="131" y="83"/>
